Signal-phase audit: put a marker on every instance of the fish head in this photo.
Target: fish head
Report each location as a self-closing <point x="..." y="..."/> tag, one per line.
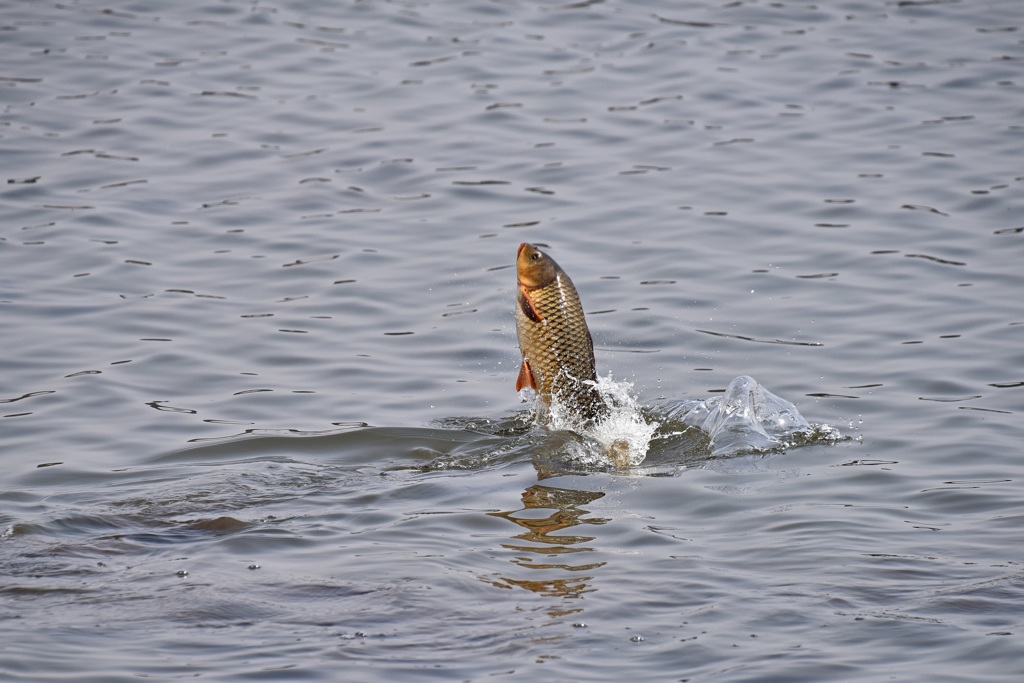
<point x="534" y="268"/>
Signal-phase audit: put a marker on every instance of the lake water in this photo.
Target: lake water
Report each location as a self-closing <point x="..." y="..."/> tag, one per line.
<point x="257" y="407"/>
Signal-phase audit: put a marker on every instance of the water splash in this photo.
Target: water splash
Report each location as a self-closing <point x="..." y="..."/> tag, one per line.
<point x="621" y="438"/>
<point x="746" y="419"/>
<point x="750" y="419"/>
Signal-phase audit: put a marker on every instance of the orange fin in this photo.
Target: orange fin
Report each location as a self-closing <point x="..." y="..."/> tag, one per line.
<point x="526" y="303"/>
<point x="525" y="378"/>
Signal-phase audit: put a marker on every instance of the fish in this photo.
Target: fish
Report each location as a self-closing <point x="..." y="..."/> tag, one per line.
<point x="554" y="340"/>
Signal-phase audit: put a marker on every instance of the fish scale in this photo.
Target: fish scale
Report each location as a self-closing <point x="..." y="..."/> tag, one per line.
<point x="558" y="348"/>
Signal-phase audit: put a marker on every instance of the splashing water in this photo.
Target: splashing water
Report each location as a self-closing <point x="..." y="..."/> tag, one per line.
<point x="621" y="438"/>
<point x="750" y="419"/>
<point x="746" y="419"/>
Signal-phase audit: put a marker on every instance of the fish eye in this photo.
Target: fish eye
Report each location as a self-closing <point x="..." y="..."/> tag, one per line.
<point x="535" y="256"/>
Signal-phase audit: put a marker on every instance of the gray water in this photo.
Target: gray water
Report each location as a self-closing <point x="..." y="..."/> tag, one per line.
<point x="258" y="352"/>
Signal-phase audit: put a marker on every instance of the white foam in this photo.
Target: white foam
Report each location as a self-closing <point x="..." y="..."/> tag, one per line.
<point x="621" y="438"/>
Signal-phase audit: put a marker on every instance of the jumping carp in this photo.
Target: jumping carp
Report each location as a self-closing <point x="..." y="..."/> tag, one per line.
<point x="558" y="352"/>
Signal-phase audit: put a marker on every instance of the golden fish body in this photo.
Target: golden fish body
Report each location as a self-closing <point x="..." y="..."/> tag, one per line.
<point x="558" y="352"/>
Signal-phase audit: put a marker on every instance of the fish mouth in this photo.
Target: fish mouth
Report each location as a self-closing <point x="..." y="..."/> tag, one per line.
<point x="523" y="274"/>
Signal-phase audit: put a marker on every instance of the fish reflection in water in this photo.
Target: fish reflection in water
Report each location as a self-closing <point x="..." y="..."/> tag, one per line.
<point x="540" y="538"/>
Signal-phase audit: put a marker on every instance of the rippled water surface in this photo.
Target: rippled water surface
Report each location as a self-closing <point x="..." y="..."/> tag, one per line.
<point x="257" y="407"/>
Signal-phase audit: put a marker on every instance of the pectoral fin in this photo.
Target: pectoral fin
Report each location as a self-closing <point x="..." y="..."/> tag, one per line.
<point x="525" y="378"/>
